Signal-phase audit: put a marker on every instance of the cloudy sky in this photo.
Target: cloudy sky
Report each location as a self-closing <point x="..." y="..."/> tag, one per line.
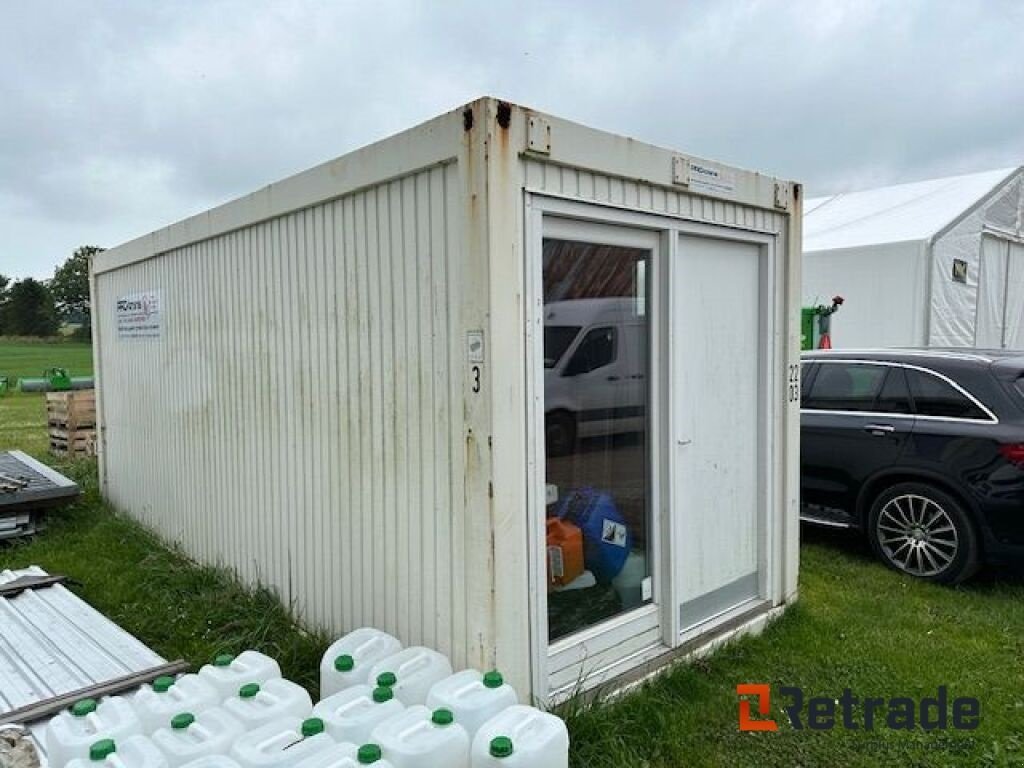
<point x="119" y="117"/>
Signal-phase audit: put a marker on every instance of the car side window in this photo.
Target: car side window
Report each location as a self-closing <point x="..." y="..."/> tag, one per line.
<point x="936" y="397"/>
<point x="845" y="387"/>
<point x="895" y="395"/>
<point x="806" y="380"/>
<point x="595" y="351"/>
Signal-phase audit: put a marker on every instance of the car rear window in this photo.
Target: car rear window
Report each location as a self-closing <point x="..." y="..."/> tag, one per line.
<point x="846" y="387"/>
<point x="895" y="395"/>
<point x="936" y="397"/>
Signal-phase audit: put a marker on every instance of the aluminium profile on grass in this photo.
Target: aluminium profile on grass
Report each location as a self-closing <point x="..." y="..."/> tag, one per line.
<point x="53" y="643"/>
<point x="25" y="481"/>
<point x="28" y="488"/>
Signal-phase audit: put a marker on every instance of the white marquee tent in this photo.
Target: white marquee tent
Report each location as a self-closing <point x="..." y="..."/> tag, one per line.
<point x="934" y="263"/>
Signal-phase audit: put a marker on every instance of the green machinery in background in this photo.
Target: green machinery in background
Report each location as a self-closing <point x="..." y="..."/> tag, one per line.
<point x="816" y="324"/>
<point x="55" y="380"/>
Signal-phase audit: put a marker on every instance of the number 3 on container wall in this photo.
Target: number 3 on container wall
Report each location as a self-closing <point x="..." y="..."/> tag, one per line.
<point x="475" y="355"/>
<point x="793" y="386"/>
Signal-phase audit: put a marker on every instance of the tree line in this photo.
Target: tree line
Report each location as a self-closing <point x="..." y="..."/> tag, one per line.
<point x="31" y="307"/>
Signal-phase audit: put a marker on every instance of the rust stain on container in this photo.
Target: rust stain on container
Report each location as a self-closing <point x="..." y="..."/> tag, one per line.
<point x="504" y="114"/>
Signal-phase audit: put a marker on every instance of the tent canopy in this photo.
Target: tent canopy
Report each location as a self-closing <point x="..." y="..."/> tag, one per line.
<point x="895" y="214"/>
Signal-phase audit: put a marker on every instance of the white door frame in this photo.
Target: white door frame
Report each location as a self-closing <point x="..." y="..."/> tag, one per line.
<point x="619" y="630"/>
<point x="663" y="232"/>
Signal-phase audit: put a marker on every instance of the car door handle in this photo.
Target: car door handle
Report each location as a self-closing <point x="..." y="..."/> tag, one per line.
<point x="880" y="429"/>
<point x="613" y="378"/>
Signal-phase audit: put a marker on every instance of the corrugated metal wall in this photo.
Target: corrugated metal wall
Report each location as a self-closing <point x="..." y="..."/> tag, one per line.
<point x="301" y="419"/>
<point x="611" y="190"/>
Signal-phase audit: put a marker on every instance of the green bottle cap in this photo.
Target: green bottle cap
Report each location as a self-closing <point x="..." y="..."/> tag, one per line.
<point x="493" y="679"/>
<point x="312" y="727"/>
<point x="249" y="690"/>
<point x="163" y="684"/>
<point x="382" y="694"/>
<point x="501" y="746"/>
<point x="83" y="707"/>
<point x="442" y="717"/>
<point x="182" y="721"/>
<point x="101" y="750"/>
<point x="344" y="663"/>
<point x="386" y="679"/>
<point x="224" y="660"/>
<point x="368" y="753"/>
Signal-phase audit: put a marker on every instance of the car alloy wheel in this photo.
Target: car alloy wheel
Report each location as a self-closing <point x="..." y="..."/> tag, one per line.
<point x="917" y="535"/>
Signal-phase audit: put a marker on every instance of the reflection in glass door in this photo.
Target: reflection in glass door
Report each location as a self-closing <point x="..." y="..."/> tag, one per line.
<point x="596" y="392"/>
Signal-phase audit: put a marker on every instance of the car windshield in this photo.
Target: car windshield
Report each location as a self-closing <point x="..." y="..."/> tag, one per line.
<point x="557" y="339"/>
<point x="1020" y="386"/>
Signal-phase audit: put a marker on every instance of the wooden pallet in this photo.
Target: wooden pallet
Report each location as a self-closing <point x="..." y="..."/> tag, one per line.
<point x="73" y="443"/>
<point x="73" y="410"/>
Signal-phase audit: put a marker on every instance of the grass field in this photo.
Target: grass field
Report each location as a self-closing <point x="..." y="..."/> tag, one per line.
<point x="20" y="358"/>
<point x="857" y="625"/>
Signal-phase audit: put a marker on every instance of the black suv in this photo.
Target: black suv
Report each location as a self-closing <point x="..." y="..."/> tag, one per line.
<point x="923" y="450"/>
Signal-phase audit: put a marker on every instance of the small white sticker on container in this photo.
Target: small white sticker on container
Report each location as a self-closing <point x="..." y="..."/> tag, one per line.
<point x="475" y="346"/>
<point x="551" y="493"/>
<point x="613" y="533"/>
<point x="711" y="180"/>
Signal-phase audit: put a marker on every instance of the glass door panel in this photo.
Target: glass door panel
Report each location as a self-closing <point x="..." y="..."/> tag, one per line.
<point x="596" y="393"/>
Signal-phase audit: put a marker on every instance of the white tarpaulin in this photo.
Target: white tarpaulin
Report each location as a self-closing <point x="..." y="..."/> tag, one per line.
<point x="992" y="292"/>
<point x="1001" y="294"/>
<point x="1014" y="328"/>
<point x="932" y="263"/>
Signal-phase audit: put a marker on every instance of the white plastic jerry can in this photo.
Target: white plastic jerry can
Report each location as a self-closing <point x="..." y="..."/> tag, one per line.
<point x="522" y="737"/>
<point x="474" y="698"/>
<point x="165" y="697"/>
<point x="228" y="673"/>
<point x="256" y="704"/>
<point x="188" y="737"/>
<point x="352" y="714"/>
<point x="346" y="756"/>
<point x="411" y="673"/>
<point x="348" y="661"/>
<point x="281" y="744"/>
<point x="212" y="761"/>
<point x="131" y="752"/>
<point x="73" y="732"/>
<point x="419" y="738"/>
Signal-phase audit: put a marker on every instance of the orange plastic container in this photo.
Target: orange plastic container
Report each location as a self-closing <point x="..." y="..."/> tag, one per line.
<point x="565" y="552"/>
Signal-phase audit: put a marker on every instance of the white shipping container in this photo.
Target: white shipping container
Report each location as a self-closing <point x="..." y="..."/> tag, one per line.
<point x="440" y="383"/>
